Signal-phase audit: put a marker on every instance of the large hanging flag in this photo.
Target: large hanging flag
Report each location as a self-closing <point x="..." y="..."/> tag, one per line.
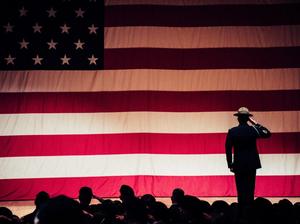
<point x="156" y="117"/>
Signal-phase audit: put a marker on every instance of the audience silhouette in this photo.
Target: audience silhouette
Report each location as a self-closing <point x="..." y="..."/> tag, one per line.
<point x="130" y="209"/>
<point x="61" y="210"/>
<point x="40" y="200"/>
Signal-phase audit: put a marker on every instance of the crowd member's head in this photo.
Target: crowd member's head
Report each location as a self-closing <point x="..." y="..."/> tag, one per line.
<point x="149" y="200"/>
<point x="41" y="198"/>
<point x="177" y="196"/>
<point x="126" y="193"/>
<point x="219" y="206"/>
<point x="219" y="210"/>
<point x="85" y="196"/>
<point x="284" y="211"/>
<point x="160" y="212"/>
<point x="6" y="212"/>
<point x="260" y="211"/>
<point x="135" y="209"/>
<point x="60" y="210"/>
<point x="7" y="217"/>
<point x="192" y="212"/>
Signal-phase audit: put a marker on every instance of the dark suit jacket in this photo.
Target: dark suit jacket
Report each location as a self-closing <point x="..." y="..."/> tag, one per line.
<point x="243" y="140"/>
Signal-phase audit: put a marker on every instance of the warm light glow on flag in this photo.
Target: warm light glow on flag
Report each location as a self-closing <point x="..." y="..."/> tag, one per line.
<point x="156" y="117"/>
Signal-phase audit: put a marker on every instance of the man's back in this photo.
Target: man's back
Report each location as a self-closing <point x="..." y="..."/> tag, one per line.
<point x="243" y="140"/>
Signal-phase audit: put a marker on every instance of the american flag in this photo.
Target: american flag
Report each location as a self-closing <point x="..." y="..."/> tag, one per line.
<point x="156" y="117"/>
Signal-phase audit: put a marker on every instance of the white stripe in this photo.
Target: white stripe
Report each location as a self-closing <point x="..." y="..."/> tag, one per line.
<point x="202" y="37"/>
<point x="150" y="79"/>
<point x="138" y="164"/>
<point x="139" y="122"/>
<point x="279" y="164"/>
<point x="196" y="2"/>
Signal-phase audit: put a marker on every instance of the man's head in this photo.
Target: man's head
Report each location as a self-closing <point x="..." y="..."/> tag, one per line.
<point x="41" y="198"/>
<point x="126" y="192"/>
<point x="177" y="196"/>
<point x="85" y="195"/>
<point x="61" y="210"/>
<point x="243" y="115"/>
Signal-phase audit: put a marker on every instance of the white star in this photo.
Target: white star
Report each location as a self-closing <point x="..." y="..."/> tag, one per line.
<point x="65" y="28"/>
<point x="37" y="28"/>
<point x="65" y="60"/>
<point x="51" y="13"/>
<point x="52" y="44"/>
<point x="79" y="13"/>
<point x="93" y="60"/>
<point x="10" y="60"/>
<point x="23" y="44"/>
<point x="93" y="29"/>
<point x="23" y="11"/>
<point x="37" y="60"/>
<point x="8" y="28"/>
<point x="79" y="44"/>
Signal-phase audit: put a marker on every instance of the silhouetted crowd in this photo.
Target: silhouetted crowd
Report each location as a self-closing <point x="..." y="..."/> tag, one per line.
<point x="185" y="209"/>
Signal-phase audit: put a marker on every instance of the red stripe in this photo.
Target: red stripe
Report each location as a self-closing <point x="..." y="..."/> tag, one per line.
<point x="209" y="15"/>
<point x="67" y="102"/>
<point x="24" y="189"/>
<point x="51" y="145"/>
<point x="202" y="58"/>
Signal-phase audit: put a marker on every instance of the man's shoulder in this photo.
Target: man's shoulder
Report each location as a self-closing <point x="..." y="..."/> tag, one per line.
<point x="235" y="128"/>
<point x="240" y="128"/>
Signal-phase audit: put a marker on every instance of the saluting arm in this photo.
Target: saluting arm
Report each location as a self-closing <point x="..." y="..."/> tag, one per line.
<point x="262" y="131"/>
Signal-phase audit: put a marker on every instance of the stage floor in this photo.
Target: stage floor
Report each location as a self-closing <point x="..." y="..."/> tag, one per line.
<point x="21" y="208"/>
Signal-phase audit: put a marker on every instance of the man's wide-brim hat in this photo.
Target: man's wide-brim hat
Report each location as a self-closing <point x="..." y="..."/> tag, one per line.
<point x="243" y="111"/>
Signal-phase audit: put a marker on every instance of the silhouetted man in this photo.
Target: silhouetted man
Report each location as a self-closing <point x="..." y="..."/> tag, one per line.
<point x="61" y="210"/>
<point x="135" y="209"/>
<point x="85" y="197"/>
<point x="246" y="159"/>
<point x="40" y="200"/>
